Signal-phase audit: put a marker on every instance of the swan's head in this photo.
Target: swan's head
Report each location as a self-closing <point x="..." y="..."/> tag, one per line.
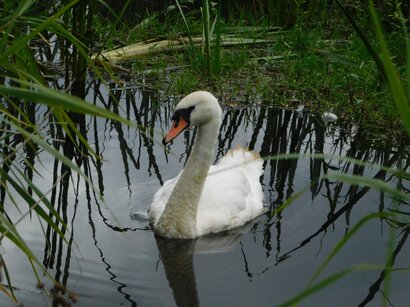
<point x="195" y="109"/>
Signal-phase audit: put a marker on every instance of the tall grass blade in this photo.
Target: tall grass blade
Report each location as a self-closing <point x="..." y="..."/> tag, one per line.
<point x="218" y="50"/>
<point x="406" y="35"/>
<point x="345" y="239"/>
<point x="58" y="100"/>
<point x="23" y="6"/>
<point x="207" y="34"/>
<point x="45" y="201"/>
<point x="312" y="289"/>
<point x="11" y="233"/>
<point x="6" y="273"/>
<point x="23" y="41"/>
<point x="290" y="200"/>
<point x="185" y="23"/>
<point x="372" y="183"/>
<point x="337" y="58"/>
<point x="364" y="39"/>
<point x="397" y="90"/>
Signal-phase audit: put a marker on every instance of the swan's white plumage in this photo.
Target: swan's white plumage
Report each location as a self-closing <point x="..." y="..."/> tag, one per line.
<point x="205" y="199"/>
<point x="232" y="193"/>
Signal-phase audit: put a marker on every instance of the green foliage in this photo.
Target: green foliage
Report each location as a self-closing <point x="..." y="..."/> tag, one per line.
<point x="23" y="87"/>
<point x="318" y="62"/>
<point x="323" y="66"/>
<point x="398" y="89"/>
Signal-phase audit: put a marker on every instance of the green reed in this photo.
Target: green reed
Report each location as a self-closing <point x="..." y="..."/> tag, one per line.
<point x="398" y="88"/>
<point x="212" y="59"/>
<point x="23" y="86"/>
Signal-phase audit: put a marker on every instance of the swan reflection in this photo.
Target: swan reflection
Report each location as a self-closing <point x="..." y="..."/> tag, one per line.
<point x="177" y="257"/>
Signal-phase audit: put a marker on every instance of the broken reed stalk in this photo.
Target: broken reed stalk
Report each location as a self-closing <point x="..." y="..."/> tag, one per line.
<point x="139" y="49"/>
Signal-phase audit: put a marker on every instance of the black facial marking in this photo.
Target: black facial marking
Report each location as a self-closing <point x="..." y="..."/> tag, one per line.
<point x="182" y="113"/>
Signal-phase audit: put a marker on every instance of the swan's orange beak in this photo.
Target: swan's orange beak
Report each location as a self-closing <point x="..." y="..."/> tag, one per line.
<point x="178" y="126"/>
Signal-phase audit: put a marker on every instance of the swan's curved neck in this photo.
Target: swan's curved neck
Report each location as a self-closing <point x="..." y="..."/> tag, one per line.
<point x="179" y="217"/>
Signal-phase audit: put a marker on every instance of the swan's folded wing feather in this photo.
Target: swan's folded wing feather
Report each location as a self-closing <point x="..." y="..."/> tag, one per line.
<point x="160" y="199"/>
<point x="232" y="193"/>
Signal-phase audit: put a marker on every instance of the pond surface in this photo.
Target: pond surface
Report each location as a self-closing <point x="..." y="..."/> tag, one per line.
<point x="115" y="260"/>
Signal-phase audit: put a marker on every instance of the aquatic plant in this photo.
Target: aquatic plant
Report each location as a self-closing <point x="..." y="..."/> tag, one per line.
<point x="33" y="35"/>
<point x="400" y="94"/>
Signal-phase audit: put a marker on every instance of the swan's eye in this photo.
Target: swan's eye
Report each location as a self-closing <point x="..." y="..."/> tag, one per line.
<point x="182" y="113"/>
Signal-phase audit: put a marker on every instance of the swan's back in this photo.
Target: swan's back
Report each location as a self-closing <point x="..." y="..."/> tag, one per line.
<point x="232" y="193"/>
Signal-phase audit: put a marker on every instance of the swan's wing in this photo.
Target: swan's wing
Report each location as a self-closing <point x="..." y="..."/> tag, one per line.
<point x="232" y="193"/>
<point x="160" y="199"/>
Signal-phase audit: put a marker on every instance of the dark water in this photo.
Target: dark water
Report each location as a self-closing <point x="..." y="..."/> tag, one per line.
<point x="115" y="260"/>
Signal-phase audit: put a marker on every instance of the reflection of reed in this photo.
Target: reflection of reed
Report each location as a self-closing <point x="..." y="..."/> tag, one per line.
<point x="12" y="142"/>
<point x="282" y="132"/>
<point x="143" y="120"/>
<point x="375" y="287"/>
<point x="120" y="286"/>
<point x="232" y="120"/>
<point x="352" y="198"/>
<point x="72" y="149"/>
<point x="126" y="151"/>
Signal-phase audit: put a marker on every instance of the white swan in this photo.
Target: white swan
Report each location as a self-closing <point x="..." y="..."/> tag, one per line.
<point x="205" y="199"/>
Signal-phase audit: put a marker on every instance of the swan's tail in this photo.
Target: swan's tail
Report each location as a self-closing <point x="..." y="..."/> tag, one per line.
<point x="243" y="158"/>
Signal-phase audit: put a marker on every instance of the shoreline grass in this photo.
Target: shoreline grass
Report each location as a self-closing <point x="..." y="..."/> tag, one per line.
<point x="322" y="66"/>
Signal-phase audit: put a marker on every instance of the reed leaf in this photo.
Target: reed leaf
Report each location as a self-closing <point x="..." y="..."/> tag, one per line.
<point x="185" y="23"/>
<point x="58" y="100"/>
<point x="26" y="63"/>
<point x="346" y="238"/>
<point x="311" y="289"/>
<point x="10" y="232"/>
<point x="337" y="57"/>
<point x="34" y="205"/>
<point x="10" y="22"/>
<point x="24" y="40"/>
<point x="24" y="84"/>
<point x="218" y="49"/>
<point x="370" y="182"/>
<point x="43" y="198"/>
<point x="207" y="34"/>
<point x="397" y="89"/>
<point x="394" y="171"/>
<point x="8" y="279"/>
<point x="364" y="39"/>
<point x="290" y="200"/>
<point x="49" y="148"/>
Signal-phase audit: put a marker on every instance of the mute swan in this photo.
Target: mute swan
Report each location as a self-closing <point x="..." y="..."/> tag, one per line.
<point x="205" y="199"/>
